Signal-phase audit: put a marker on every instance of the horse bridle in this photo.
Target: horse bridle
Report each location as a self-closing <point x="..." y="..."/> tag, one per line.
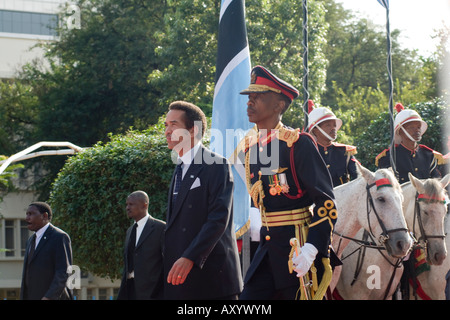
<point x="384" y="236"/>
<point x="418" y="216"/>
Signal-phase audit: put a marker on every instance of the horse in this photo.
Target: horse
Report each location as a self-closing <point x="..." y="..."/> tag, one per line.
<point x="369" y="274"/>
<point x="431" y="284"/>
<point x="372" y="202"/>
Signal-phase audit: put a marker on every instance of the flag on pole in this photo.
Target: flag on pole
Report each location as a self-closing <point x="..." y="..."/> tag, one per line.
<point x="229" y="116"/>
<point x="384" y="3"/>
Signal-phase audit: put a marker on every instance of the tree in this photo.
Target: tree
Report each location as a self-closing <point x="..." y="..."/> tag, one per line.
<point x="275" y="40"/>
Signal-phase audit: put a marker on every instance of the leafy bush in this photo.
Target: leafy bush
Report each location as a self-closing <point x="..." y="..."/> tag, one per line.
<point x="89" y="194"/>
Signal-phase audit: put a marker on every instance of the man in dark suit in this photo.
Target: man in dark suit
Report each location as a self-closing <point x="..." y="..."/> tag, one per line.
<point x="200" y="253"/>
<point x="48" y="255"/>
<point x="143" y="260"/>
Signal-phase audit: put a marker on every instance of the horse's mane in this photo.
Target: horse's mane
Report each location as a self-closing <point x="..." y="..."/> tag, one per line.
<point x="432" y="187"/>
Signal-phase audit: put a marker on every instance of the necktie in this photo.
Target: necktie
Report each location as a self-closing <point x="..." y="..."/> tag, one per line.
<point x="131" y="247"/>
<point x="32" y="247"/>
<point x="178" y="177"/>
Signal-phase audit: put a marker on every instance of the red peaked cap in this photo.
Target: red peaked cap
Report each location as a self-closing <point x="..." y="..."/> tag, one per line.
<point x="262" y="80"/>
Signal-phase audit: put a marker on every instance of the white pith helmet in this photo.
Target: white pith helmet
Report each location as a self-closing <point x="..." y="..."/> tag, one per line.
<point x="319" y="115"/>
<point x="405" y="116"/>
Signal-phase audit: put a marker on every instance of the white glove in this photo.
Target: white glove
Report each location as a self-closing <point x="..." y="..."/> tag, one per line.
<point x="304" y="260"/>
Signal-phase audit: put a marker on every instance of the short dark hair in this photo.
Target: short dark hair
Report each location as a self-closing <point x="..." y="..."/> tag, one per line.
<point x="192" y="113"/>
<point x="43" y="208"/>
<point x="139" y="194"/>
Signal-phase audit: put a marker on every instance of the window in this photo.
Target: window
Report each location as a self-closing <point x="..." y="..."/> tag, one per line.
<point x="14" y="235"/>
<point x="28" y="22"/>
<point x="9" y="238"/>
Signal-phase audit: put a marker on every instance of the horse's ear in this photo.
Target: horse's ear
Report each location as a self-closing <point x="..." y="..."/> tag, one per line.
<point x="416" y="183"/>
<point x="445" y="180"/>
<point x="368" y="175"/>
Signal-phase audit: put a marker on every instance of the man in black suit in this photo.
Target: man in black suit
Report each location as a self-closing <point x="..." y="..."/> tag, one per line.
<point x="200" y="253"/>
<point x="48" y="255"/>
<point x="143" y="266"/>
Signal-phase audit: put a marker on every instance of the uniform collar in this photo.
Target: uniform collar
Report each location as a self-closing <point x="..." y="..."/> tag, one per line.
<point x="264" y="137"/>
<point x="410" y="150"/>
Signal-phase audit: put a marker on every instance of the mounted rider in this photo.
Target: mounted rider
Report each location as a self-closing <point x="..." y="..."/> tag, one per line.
<point x="339" y="158"/>
<point x="410" y="156"/>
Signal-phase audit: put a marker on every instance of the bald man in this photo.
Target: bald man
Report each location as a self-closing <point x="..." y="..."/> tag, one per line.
<point x="143" y="266"/>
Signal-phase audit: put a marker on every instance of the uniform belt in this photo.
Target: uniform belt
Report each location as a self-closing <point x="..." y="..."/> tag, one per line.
<point x="130" y="275"/>
<point x="286" y="218"/>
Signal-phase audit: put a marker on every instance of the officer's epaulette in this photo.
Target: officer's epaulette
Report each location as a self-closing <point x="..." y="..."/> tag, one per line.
<point x="351" y="150"/>
<point x="437" y="155"/>
<point x="288" y="135"/>
<point x="381" y="155"/>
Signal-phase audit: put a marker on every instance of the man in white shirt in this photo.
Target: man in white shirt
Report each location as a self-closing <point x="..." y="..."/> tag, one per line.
<point x="142" y="277"/>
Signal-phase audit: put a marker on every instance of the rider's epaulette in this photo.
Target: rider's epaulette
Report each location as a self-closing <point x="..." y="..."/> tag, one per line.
<point x="288" y="135"/>
<point x="381" y="155"/>
<point x="437" y="155"/>
<point x="351" y="150"/>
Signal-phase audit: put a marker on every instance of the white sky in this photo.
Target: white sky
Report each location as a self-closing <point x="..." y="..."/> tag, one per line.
<point x="416" y="19"/>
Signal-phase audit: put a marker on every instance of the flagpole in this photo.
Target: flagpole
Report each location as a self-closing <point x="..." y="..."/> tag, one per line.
<point x="305" y="63"/>
<point x="391" y="87"/>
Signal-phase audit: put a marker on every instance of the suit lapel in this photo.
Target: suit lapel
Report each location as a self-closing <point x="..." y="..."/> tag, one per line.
<point x="148" y="227"/>
<point x="45" y="238"/>
<point x="194" y="170"/>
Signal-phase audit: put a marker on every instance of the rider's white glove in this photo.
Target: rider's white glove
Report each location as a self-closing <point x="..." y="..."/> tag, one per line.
<point x="304" y="260"/>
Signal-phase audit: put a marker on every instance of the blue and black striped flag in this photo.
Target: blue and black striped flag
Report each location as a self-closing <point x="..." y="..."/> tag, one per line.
<point x="384" y="3"/>
<point x="229" y="116"/>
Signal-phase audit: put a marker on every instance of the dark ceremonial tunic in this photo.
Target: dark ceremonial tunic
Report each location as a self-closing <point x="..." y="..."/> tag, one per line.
<point x="340" y="161"/>
<point x="422" y="162"/>
<point x="296" y="177"/>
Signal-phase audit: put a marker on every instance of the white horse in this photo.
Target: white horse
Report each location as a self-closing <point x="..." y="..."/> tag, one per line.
<point x="433" y="282"/>
<point x="370" y="274"/>
<point x="372" y="202"/>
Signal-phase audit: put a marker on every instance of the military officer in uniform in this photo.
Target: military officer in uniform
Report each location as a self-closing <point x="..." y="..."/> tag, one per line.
<point x="410" y="156"/>
<point x="285" y="176"/>
<point x="339" y="158"/>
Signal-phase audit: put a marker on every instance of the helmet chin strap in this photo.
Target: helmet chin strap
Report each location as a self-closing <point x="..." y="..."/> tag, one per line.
<point x="325" y="134"/>
<point x="409" y="136"/>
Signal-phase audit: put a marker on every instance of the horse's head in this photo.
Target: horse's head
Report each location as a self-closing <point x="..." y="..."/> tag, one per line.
<point x="384" y="217"/>
<point x="426" y="208"/>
